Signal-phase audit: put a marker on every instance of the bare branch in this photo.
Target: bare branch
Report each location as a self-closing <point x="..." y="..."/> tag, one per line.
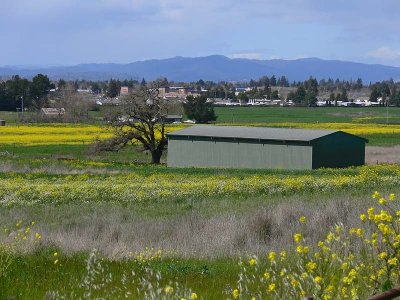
<point x="140" y="118"/>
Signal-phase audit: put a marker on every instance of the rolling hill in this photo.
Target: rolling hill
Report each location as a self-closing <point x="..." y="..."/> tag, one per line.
<point x="216" y="68"/>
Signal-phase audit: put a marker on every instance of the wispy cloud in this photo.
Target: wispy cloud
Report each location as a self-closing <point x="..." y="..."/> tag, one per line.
<point x="247" y="55"/>
<point x="127" y="30"/>
<point x="386" y="53"/>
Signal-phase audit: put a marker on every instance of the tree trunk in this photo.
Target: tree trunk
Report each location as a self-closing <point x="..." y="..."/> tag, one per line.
<point x="156" y="156"/>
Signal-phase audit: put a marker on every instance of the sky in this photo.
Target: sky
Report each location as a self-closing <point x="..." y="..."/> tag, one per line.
<point x="68" y="32"/>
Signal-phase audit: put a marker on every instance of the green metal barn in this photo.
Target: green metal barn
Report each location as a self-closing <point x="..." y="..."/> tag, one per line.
<point x="263" y="147"/>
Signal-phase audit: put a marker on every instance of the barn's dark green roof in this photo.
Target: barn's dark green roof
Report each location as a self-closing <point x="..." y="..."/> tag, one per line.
<point x="253" y="133"/>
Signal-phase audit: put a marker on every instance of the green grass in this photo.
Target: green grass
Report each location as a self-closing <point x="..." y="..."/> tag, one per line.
<point x="32" y="276"/>
<point x="277" y="114"/>
<point x="73" y="152"/>
<point x="267" y="115"/>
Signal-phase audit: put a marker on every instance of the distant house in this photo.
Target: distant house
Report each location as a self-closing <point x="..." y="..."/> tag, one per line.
<point x="241" y="90"/>
<point x="125" y="90"/>
<point x="84" y="91"/>
<point x="173" y="119"/>
<point x="52" y="112"/>
<point x="263" y="148"/>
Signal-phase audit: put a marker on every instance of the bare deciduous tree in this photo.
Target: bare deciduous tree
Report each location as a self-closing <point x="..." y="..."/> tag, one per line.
<point x="139" y="118"/>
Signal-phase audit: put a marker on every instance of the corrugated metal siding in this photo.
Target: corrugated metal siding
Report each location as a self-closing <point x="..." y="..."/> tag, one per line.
<point x="338" y="150"/>
<point x="193" y="152"/>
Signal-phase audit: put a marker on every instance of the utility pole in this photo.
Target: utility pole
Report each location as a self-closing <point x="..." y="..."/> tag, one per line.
<point x="387" y="109"/>
<point x="22" y="104"/>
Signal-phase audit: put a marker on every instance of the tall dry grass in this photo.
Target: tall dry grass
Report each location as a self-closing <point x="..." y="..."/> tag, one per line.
<point x="380" y="155"/>
<point x="117" y="230"/>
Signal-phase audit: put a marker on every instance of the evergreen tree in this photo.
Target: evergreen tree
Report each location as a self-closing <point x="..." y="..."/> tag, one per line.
<point x="113" y="89"/>
<point x="275" y="95"/>
<point x="199" y="109"/>
<point x="39" y="88"/>
<point x="300" y="95"/>
<point x="272" y="80"/>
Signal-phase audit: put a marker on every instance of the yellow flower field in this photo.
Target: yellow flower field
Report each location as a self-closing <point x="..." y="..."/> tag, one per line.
<point x="136" y="187"/>
<point x="48" y="134"/>
<point x="358" y="129"/>
<point x="28" y="135"/>
<point x="51" y="134"/>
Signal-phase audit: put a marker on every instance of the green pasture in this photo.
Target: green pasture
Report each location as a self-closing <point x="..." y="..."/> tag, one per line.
<point x="267" y="115"/>
<point x="380" y="115"/>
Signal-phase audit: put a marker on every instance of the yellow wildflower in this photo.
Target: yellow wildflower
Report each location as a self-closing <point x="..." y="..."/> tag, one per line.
<point x="392" y="261"/>
<point x="302" y="219"/>
<point x="338" y="229"/>
<point x="311" y="266"/>
<point x="297" y="237"/>
<point x="283" y="255"/>
<point x="294" y="282"/>
<point x="267" y="275"/>
<point x="252" y="262"/>
<point x="272" y="256"/>
<point x="235" y="293"/>
<point x="193" y="296"/>
<point x="272" y="287"/>
<point x="318" y="279"/>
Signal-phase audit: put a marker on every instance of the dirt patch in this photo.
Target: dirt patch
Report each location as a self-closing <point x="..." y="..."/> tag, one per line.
<point x="380" y="155"/>
<point x="354" y="114"/>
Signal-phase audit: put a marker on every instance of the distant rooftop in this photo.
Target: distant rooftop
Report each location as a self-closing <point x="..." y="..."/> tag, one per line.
<point x="254" y="133"/>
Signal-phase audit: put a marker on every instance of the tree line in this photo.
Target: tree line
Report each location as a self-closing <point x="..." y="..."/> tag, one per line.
<point x="34" y="93"/>
<point x="17" y="92"/>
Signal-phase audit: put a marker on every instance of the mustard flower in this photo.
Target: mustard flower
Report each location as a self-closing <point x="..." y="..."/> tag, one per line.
<point x="272" y="256"/>
<point x="297" y="237"/>
<point x="235" y="293"/>
<point x="252" y="262"/>
<point x="382" y="255"/>
<point x="318" y="279"/>
<point x="271" y="287"/>
<point x="311" y="266"/>
<point x="375" y="195"/>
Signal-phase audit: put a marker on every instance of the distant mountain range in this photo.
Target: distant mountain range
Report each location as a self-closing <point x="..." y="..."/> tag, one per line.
<point x="214" y="67"/>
